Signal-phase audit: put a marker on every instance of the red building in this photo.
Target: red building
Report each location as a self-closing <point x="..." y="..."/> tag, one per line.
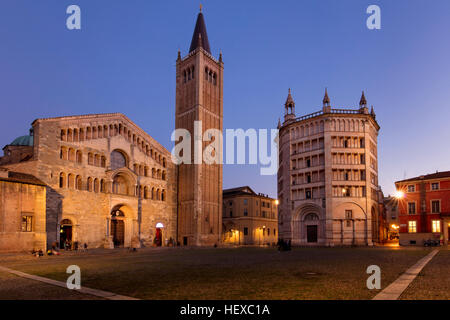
<point x="424" y="208"/>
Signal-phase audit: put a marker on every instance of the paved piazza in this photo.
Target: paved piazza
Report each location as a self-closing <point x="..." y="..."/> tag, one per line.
<point x="228" y="273"/>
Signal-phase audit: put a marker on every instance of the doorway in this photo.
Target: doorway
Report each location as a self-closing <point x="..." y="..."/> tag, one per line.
<point x="311" y="234"/>
<point x="65" y="233"/>
<point x="158" y="237"/>
<point x="118" y="228"/>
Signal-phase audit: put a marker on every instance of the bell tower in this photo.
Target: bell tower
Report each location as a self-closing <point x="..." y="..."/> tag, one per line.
<point x="199" y="97"/>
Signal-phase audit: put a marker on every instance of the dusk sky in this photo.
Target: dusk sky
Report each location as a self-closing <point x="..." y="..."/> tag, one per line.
<point x="123" y="60"/>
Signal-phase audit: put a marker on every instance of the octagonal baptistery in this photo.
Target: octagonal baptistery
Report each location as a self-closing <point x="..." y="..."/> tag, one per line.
<point x="109" y="183"/>
<point x="328" y="176"/>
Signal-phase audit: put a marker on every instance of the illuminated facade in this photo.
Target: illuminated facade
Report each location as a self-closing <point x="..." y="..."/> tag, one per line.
<point x="108" y="182"/>
<point x="328" y="176"/>
<point x="249" y="218"/>
<point x="424" y="208"/>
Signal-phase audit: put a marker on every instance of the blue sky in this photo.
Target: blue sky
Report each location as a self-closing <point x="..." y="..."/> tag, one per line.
<point x="123" y="60"/>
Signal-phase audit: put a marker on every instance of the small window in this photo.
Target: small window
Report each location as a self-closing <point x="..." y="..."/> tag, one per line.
<point x="436" y="226"/>
<point x="245" y="212"/>
<point x="27" y="224"/>
<point x="435" y="186"/>
<point x="245" y="201"/>
<point x="411" y="207"/>
<point x="412" y="226"/>
<point x="348" y="214"/>
<point x="245" y="231"/>
<point x="231" y="213"/>
<point x="268" y="231"/>
<point x="308" y="194"/>
<point x="435" y="206"/>
<point x="411" y="188"/>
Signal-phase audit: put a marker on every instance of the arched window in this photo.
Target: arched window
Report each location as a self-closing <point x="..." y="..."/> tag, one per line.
<point x="71" y="181"/>
<point x="153" y="193"/>
<point x="62" y="180"/>
<point x="100" y="131"/>
<point x="118" y="160"/>
<point x="89" y="184"/>
<point x="88" y="133"/>
<point x="79" y="157"/>
<point x="94" y="133"/>
<point x="79" y="183"/>
<point x="164" y="162"/>
<point x="163" y="176"/>
<point x="146" y="171"/>
<point x="63" y="153"/>
<point x="163" y="195"/>
<point x="71" y="154"/>
<point x="75" y="135"/>
<point x="102" y="185"/>
<point x="153" y="173"/>
<point x="158" y="174"/>
<point x="96" y="185"/>
<point x="63" y="135"/>
<point x="69" y="135"/>
<point x="158" y="194"/>
<point x="103" y="162"/>
<point x="90" y="159"/>
<point x="145" y="192"/>
<point x="81" y="134"/>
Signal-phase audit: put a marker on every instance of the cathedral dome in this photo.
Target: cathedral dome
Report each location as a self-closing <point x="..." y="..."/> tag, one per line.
<point x="23" y="141"/>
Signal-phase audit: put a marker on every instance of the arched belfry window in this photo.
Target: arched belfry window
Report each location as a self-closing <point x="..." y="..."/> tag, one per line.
<point x="118" y="160"/>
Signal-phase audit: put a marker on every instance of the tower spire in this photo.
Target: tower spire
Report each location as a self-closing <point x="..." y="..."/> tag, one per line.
<point x="200" y="33"/>
<point x="363" y="101"/>
<point x="326" y="99"/>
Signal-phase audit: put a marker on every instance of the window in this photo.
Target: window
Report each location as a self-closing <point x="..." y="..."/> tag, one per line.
<point x="268" y="231"/>
<point x="411" y="188"/>
<point x="245" y="212"/>
<point x="435" y="186"/>
<point x="308" y="194"/>
<point x="231" y="213"/>
<point x="411" y="207"/>
<point x="27" y="223"/>
<point x="436" y="226"/>
<point x="348" y="214"/>
<point x="245" y="231"/>
<point x="412" y="226"/>
<point x="245" y="201"/>
<point x="435" y="206"/>
<point x="308" y="163"/>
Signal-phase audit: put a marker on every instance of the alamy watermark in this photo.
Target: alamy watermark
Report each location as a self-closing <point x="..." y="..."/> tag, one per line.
<point x="74" y="280"/>
<point x="262" y="147"/>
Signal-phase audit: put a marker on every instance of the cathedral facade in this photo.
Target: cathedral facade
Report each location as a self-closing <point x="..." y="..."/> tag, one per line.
<point x="108" y="183"/>
<point x="328" y="176"/>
